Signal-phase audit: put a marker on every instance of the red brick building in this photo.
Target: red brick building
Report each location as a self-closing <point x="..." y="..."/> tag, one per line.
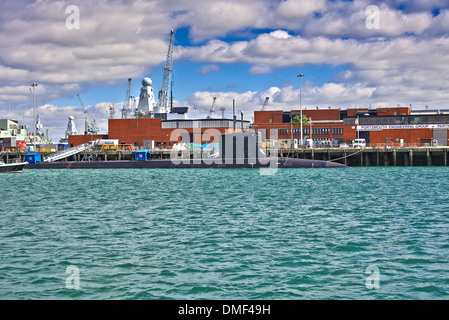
<point x="164" y="133"/>
<point x="326" y="126"/>
<point x="400" y="125"/>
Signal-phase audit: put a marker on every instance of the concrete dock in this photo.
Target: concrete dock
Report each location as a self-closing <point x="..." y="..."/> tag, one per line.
<point x="381" y="157"/>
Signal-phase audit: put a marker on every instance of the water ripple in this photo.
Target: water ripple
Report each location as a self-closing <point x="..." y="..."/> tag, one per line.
<point x="225" y="234"/>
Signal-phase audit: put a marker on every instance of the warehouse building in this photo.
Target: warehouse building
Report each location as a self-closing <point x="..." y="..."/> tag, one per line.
<point x="162" y="134"/>
<point x="396" y="126"/>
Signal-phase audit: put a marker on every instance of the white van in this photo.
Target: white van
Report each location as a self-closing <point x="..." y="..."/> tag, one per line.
<point x="359" y="143"/>
<point x="309" y="143"/>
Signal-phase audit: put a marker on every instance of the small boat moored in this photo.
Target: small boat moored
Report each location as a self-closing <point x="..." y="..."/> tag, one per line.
<point x="12" y="167"/>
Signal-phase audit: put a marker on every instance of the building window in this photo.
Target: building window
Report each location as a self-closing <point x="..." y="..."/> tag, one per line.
<point x="337" y="131"/>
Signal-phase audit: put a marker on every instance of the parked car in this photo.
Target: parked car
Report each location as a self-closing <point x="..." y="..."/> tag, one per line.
<point x="359" y="143"/>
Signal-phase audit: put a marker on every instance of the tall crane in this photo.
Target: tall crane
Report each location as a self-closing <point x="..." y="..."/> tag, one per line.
<point x="90" y="125"/>
<point x="111" y="111"/>
<point x="222" y="110"/>
<point x="126" y="111"/>
<point x="212" y="110"/>
<point x="265" y="104"/>
<point x="162" y="102"/>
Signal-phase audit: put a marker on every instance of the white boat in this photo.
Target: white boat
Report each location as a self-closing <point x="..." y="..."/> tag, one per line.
<point x="12" y="167"/>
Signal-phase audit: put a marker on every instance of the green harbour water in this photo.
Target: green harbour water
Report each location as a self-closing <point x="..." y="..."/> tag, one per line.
<point x="225" y="234"/>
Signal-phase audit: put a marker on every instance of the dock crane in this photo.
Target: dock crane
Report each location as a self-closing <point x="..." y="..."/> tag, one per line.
<point x="162" y="102"/>
<point x="126" y="110"/>
<point x="90" y="125"/>
<point x="265" y="104"/>
<point x="212" y="110"/>
<point x="111" y="111"/>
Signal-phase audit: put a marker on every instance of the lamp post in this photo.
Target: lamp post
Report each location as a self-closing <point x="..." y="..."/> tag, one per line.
<point x="32" y="89"/>
<point x="300" y="103"/>
<point x="291" y="127"/>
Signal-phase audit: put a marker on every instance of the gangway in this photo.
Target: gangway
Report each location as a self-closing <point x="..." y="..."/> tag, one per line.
<point x="67" y="153"/>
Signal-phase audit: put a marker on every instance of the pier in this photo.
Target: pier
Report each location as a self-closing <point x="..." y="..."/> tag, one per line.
<point x="367" y="157"/>
<point x="372" y="157"/>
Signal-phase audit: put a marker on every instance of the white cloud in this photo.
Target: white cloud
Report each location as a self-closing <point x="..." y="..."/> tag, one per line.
<point x="260" y="69"/>
<point x="298" y="9"/>
<point x="210" y="19"/>
<point x="115" y="39"/>
<point x="418" y="5"/>
<point x="350" y="21"/>
<point x="209" y="68"/>
<point x="280" y="34"/>
<point x="440" y="25"/>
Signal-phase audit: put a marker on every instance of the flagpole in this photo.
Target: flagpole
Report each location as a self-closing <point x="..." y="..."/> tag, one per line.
<point x="310" y="122"/>
<point x="300" y="104"/>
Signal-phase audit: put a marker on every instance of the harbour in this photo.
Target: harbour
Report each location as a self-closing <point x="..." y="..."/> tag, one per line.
<point x="247" y="151"/>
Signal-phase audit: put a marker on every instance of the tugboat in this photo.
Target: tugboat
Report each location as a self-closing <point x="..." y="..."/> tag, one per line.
<point x="12" y="167"/>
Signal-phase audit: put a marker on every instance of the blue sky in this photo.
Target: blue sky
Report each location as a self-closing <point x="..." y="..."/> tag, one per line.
<point x="229" y="49"/>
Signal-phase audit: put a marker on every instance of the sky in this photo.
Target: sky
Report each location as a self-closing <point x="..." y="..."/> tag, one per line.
<point x="352" y="54"/>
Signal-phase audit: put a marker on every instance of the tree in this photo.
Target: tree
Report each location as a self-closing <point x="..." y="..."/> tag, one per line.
<point x="297" y="120"/>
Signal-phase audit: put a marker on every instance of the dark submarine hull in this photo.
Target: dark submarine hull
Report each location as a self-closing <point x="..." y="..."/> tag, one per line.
<point x="190" y="164"/>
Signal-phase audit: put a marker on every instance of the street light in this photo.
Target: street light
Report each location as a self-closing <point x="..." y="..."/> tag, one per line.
<point x="34" y="85"/>
<point x="300" y="103"/>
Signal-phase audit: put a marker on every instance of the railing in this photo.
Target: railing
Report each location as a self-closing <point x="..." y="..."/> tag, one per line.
<point x="67" y="153"/>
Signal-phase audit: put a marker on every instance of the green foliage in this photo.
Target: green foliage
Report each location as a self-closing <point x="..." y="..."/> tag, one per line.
<point x="297" y="120"/>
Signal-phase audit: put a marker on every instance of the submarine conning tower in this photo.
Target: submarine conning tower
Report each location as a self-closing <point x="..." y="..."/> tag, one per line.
<point x="241" y="147"/>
